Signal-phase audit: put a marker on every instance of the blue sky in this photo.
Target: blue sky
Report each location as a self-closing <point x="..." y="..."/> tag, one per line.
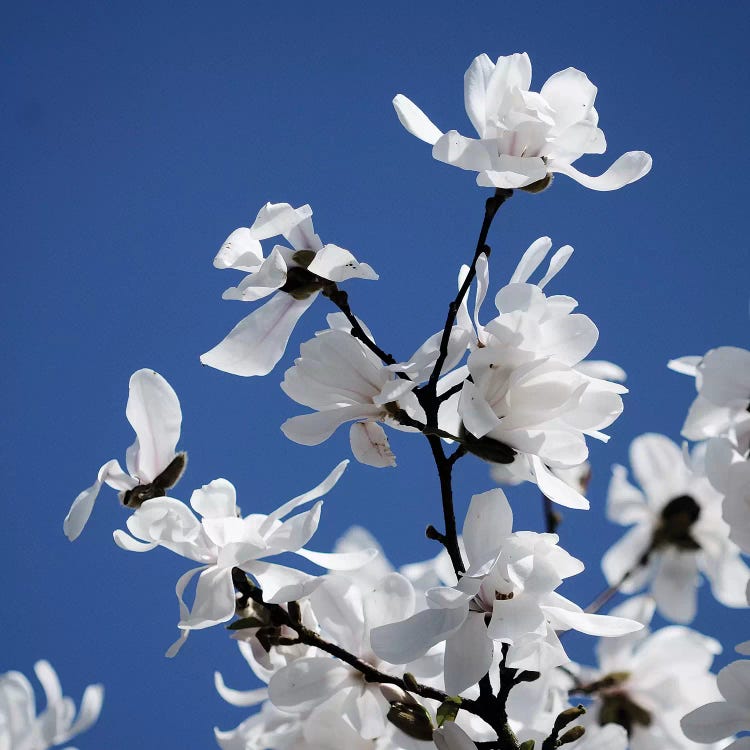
<point x="138" y="135"/>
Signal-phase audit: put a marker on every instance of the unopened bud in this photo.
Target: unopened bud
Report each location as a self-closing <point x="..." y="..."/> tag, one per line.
<point x="569" y="715"/>
<point x="573" y="734"/>
<point x="528" y="745"/>
<point x="412" y="719"/>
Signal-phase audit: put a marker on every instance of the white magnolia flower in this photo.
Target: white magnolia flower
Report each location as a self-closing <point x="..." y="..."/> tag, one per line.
<point x="524" y="136"/>
<point x="222" y="540"/>
<point x="293" y="275"/>
<point x="153" y="466"/>
<point x="530" y="401"/>
<point x="678" y="531"/>
<point x="722" y="379"/>
<point x="506" y="596"/>
<point x="344" y="381"/>
<point x="646" y="682"/>
<point x="20" y="726"/>
<point x="719" y="719"/>
<point x="346" y="615"/>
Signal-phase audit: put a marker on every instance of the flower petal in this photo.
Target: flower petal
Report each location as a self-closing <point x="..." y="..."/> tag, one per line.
<point x="468" y="654"/>
<point x="257" y="342"/>
<point x="415" y="121"/>
<point x="628" y="168"/>
<point x="370" y="445"/>
<point x="154" y="411"/>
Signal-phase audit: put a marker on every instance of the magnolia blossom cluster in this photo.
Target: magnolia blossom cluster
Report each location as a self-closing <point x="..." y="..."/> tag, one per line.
<point x="468" y="647"/>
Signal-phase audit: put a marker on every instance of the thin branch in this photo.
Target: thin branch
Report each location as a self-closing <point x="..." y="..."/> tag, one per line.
<point x="552" y="518"/>
<point x="609" y="592"/>
<point x="491" y="207"/>
<point x="341" y="299"/>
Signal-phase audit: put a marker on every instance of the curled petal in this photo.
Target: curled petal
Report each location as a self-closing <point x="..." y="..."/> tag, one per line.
<point x="241" y="698"/>
<point x="628" y="168"/>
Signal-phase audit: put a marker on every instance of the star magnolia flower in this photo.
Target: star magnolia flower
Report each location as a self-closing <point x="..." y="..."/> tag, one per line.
<point x="344" y="381"/>
<point x="154" y="412"/>
<point x="719" y="719"/>
<point x="646" y="682"/>
<point x="221" y="540"/>
<point x="296" y="276"/>
<point x="679" y="531"/>
<point x="506" y="596"/>
<point x="531" y="397"/>
<point x="22" y="729"/>
<point x="346" y="614"/>
<point x="524" y="136"/>
<point x="722" y="379"/>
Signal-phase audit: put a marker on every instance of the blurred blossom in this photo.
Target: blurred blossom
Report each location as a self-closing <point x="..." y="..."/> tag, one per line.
<point x="678" y="530"/>
<point x="21" y="728"/>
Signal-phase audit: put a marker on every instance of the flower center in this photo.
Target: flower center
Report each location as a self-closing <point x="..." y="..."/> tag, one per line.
<point x="677" y="518"/>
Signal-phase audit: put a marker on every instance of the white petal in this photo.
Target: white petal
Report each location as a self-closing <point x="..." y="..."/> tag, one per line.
<point x="555" y="488"/>
<point x="126" y="542"/>
<point x="685" y="365"/>
<point x="600" y="368"/>
<point x="734" y="684"/>
<point x="476" y="413"/>
<point x="91" y="707"/>
<point x="214" y="599"/>
<point x="154" y="411"/>
<point x="295" y="532"/>
<point x="468" y="654"/>
<point x="531" y="260"/>
<point x="339" y="560"/>
<point x="370" y="445"/>
<point x="628" y="168"/>
<point x="334" y="263"/>
<point x="488" y="521"/>
<point x="278" y="219"/>
<point x="315" y="428"/>
<point x="675" y="586"/>
<point x="403" y="642"/>
<point x="466" y="153"/>
<point x="625" y="503"/>
<point x="307" y="682"/>
<point x="451" y="737"/>
<point x="602" y="625"/>
<point x="511" y="171"/>
<point x="556" y="264"/>
<point x="659" y="467"/>
<point x="318" y="491"/>
<point x="390" y="600"/>
<point x="476" y="81"/>
<point x="571" y="94"/>
<point x="80" y="510"/>
<point x="242" y="698"/>
<point x="624" y="554"/>
<point x="414" y="120"/>
<point x="240" y="250"/>
<point x="257" y="342"/>
<point x="217" y="499"/>
<point x="714" y="721"/>
<point x="281" y="584"/>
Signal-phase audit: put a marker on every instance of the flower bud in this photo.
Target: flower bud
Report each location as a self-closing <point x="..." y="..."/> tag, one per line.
<point x="412" y="719"/>
<point x="573" y="734"/>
